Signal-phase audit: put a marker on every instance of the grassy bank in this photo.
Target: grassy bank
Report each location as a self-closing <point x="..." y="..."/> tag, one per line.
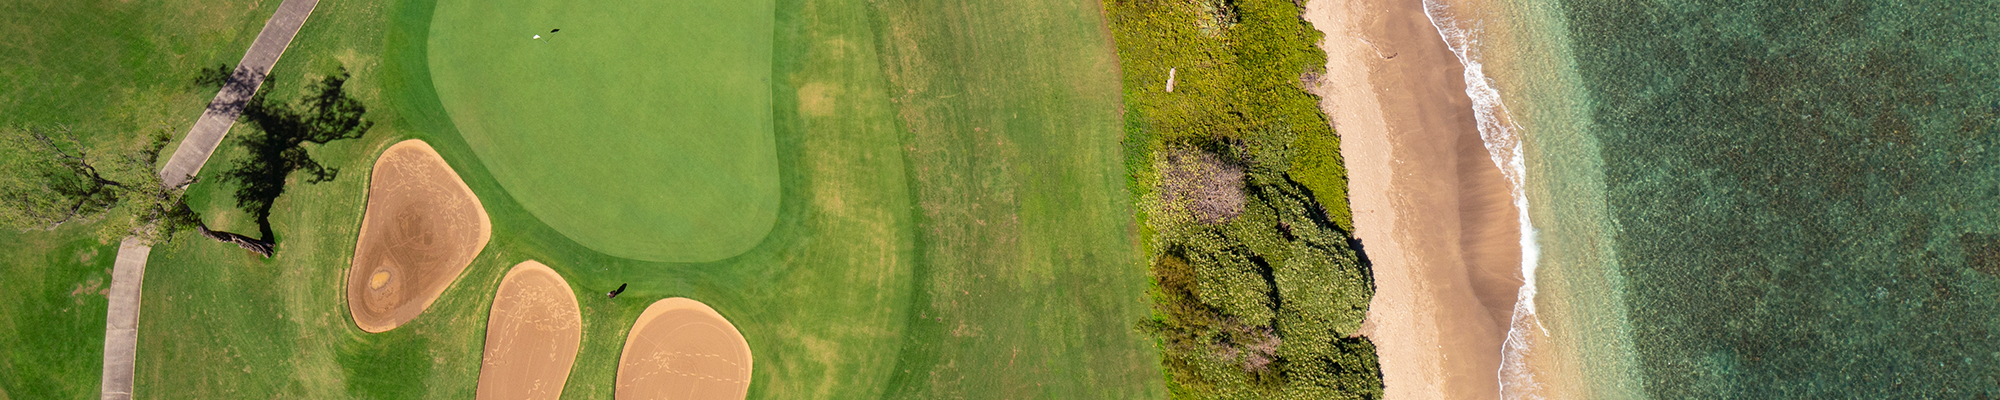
<point x="1258" y="291"/>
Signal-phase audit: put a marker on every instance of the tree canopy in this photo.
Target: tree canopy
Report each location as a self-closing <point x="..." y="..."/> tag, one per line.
<point x="56" y="178"/>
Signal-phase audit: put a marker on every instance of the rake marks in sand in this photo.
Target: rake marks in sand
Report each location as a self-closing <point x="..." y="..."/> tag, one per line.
<point x="532" y="335"/>
<point x="682" y="349"/>
<point x="421" y="228"/>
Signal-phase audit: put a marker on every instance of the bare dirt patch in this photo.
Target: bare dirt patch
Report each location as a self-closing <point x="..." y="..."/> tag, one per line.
<point x="1201" y="183"/>
<point x="682" y="349"/>
<point x="92" y="286"/>
<point x="421" y="228"/>
<point x="531" y="336"/>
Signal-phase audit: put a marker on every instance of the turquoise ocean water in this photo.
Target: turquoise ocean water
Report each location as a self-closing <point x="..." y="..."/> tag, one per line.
<point x="1762" y="199"/>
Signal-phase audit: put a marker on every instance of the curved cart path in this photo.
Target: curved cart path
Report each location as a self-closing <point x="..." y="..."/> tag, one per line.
<point x="121" y="322"/>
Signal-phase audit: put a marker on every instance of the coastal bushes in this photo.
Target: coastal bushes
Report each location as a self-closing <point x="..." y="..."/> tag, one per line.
<point x="1259" y="288"/>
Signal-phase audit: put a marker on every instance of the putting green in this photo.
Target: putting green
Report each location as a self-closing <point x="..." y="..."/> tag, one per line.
<point x="641" y="130"/>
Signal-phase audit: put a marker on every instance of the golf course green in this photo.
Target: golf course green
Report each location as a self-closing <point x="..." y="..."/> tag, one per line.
<point x="951" y="212"/>
<point x="641" y="130"/>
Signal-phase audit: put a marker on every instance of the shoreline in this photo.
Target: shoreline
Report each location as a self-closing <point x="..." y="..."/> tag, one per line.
<point x="1435" y="213"/>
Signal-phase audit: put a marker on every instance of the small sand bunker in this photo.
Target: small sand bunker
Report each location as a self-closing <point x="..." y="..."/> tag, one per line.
<point x="421" y="228"/>
<point x="681" y="349"/>
<point x="531" y="336"/>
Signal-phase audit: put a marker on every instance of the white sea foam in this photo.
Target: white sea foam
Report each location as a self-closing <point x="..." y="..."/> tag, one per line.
<point x="1503" y="142"/>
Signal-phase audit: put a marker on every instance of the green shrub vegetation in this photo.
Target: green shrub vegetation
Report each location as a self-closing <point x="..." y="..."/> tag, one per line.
<point x="1258" y="286"/>
<point x="54" y="179"/>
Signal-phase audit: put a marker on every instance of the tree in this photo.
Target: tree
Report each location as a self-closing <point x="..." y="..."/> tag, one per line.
<point x="53" y="179"/>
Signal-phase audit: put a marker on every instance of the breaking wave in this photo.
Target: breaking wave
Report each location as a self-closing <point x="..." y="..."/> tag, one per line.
<point x="1503" y="142"/>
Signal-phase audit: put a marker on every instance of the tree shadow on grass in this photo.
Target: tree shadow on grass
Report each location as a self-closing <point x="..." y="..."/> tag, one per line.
<point x="276" y="149"/>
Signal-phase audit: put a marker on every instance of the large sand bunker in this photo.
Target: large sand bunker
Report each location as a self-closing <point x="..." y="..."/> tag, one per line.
<point x="421" y="228"/>
<point x="681" y="349"/>
<point x="531" y="336"/>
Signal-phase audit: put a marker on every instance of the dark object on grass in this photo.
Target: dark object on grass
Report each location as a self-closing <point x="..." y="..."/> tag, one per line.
<point x="554" y="30"/>
<point x="614" y="293"/>
<point x="254" y="245"/>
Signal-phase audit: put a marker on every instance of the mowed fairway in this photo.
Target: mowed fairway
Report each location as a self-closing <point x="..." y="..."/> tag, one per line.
<point x="642" y="130"/>
<point x="1030" y="284"/>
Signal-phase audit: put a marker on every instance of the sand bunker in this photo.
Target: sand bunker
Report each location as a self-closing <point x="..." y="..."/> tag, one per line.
<point x="681" y="349"/>
<point x="421" y="228"/>
<point x="531" y="336"/>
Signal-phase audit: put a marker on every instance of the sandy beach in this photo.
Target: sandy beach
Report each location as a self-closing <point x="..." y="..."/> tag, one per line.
<point x="1430" y="206"/>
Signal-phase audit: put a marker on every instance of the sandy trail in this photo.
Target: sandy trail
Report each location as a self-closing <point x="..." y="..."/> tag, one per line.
<point x="532" y="335"/>
<point x="682" y="349"/>
<point x="421" y="229"/>
<point x="1430" y="205"/>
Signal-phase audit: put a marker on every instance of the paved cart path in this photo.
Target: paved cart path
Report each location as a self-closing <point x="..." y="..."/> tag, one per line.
<point x="228" y="104"/>
<point x="121" y="323"/>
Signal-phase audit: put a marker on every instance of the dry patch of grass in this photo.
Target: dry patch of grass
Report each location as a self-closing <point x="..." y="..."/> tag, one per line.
<point x="1201" y="183"/>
